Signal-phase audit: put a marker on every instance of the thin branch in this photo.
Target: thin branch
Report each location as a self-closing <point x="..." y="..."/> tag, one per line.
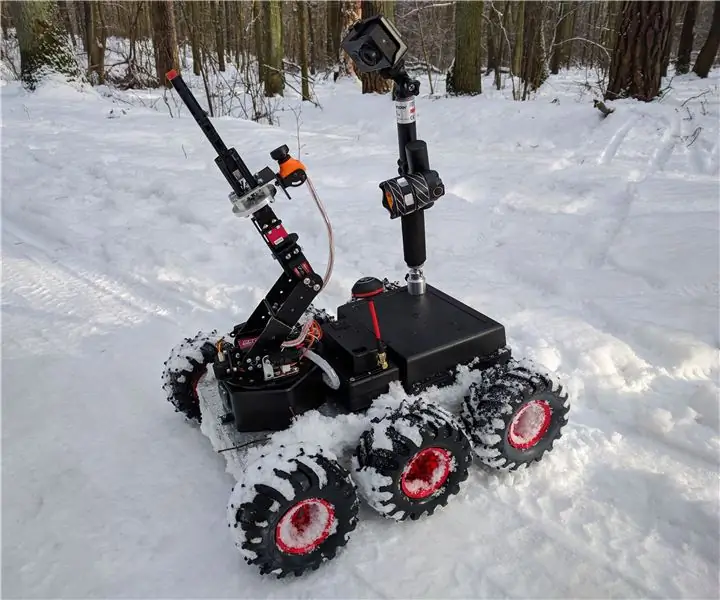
<point x="581" y="39"/>
<point x="700" y="95"/>
<point x="419" y="8"/>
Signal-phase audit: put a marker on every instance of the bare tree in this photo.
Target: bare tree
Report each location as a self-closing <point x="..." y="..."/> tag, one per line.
<point x="302" y="22"/>
<point x="674" y="14"/>
<point x="519" y="15"/>
<point x="96" y="35"/>
<point x="707" y="55"/>
<point x="533" y="70"/>
<point x="682" y="64"/>
<point x="465" y="75"/>
<point x="258" y="17"/>
<point x="636" y="65"/>
<point x="562" y="33"/>
<point x="216" y="13"/>
<point x="334" y="29"/>
<point x="274" y="79"/>
<point x="191" y="12"/>
<point x="164" y="39"/>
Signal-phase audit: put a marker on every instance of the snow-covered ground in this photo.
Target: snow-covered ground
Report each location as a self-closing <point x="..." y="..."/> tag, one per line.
<point x="595" y="241"/>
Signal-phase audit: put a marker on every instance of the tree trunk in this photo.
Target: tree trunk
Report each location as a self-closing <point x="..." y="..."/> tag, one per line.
<point x="674" y="13"/>
<point x="519" y="29"/>
<point x="274" y="80"/>
<point x="682" y="64"/>
<point x="216" y="16"/>
<point x="239" y="37"/>
<point x="95" y="43"/>
<point x="570" y="34"/>
<point x="492" y="38"/>
<point x="561" y="28"/>
<point x="164" y="39"/>
<point x="533" y="72"/>
<point x="465" y="76"/>
<point x="636" y="64"/>
<point x="258" y="15"/>
<point x="335" y="10"/>
<point x="705" y="59"/>
<point x="312" y="46"/>
<point x="594" y="23"/>
<point x="612" y="25"/>
<point x="89" y="17"/>
<point x="351" y="12"/>
<point x="302" y="26"/>
<point x="501" y="44"/>
<point x="194" y="33"/>
<point x="230" y="27"/>
<point x="374" y="83"/>
<point x="43" y="45"/>
<point x="67" y="21"/>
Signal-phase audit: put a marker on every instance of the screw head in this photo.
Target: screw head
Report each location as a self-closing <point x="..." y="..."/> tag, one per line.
<point x="316" y="287"/>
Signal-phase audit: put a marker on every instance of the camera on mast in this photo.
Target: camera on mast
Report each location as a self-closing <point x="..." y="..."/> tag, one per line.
<point x="374" y="44"/>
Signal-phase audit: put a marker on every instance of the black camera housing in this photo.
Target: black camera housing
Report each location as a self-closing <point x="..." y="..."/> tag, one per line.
<point x="374" y="44"/>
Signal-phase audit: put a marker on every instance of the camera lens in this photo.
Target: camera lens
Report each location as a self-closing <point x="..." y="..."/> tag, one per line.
<point x="369" y="55"/>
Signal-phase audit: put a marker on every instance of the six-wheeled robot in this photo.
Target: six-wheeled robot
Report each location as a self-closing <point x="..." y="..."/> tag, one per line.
<point x="296" y="502"/>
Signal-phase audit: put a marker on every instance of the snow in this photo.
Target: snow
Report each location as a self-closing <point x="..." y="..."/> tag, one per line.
<point x="594" y="241"/>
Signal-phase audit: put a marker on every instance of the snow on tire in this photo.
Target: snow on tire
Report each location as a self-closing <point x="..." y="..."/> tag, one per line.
<point x="187" y="363"/>
<point x="294" y="510"/>
<point x="412" y="460"/>
<point x="517" y="420"/>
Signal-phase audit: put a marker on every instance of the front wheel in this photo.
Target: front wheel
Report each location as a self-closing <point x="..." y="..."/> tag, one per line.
<point x="412" y="461"/>
<point x="294" y="510"/>
<point x="517" y="420"/>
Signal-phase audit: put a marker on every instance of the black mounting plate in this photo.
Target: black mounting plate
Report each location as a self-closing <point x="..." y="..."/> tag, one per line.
<point x="429" y="333"/>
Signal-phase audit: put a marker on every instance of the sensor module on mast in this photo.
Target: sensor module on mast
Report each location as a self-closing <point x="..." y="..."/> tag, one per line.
<point x="375" y="46"/>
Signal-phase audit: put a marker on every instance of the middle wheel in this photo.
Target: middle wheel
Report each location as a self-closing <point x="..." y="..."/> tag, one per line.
<point x="412" y="460"/>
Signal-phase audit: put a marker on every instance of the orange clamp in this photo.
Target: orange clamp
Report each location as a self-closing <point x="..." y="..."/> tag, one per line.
<point x="289" y="166"/>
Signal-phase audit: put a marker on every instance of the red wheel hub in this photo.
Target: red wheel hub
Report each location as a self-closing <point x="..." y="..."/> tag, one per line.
<point x="529" y="424"/>
<point x="305" y="526"/>
<point x="426" y="472"/>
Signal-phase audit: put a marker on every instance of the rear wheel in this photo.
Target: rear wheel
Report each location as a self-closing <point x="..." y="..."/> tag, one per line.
<point x="412" y="460"/>
<point x="294" y="510"/>
<point x="517" y="420"/>
<point x="183" y="370"/>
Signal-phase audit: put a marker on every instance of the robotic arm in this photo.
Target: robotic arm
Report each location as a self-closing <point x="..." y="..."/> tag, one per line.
<point x="261" y="340"/>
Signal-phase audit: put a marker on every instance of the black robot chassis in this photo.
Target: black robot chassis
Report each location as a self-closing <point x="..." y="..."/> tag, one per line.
<point x="256" y="389"/>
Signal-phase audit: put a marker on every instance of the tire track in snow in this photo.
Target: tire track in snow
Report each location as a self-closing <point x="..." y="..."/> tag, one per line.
<point x="124" y="288"/>
<point x="608" y="153"/>
<point x="579" y="548"/>
<point x="39" y="290"/>
<point x="664" y="151"/>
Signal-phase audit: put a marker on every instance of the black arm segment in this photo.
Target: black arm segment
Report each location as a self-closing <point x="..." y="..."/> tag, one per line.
<point x="228" y="160"/>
